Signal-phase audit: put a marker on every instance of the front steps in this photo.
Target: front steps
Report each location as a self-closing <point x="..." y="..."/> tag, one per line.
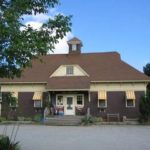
<point x="63" y="120"/>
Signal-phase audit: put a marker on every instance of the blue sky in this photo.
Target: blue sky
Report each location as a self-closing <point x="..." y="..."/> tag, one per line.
<point x="110" y="25"/>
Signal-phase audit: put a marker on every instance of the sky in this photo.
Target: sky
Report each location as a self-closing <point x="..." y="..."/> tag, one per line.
<point x="106" y="25"/>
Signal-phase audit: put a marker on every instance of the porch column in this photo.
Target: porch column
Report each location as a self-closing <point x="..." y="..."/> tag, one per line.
<point x="0" y="108"/>
<point x="49" y="97"/>
<point x="88" y="109"/>
<point x="0" y="100"/>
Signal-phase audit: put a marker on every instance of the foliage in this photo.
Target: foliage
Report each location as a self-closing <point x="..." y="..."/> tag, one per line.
<point x="8" y="97"/>
<point x="20" y="118"/>
<point x="146" y="69"/>
<point x="27" y="119"/>
<point x="37" y="118"/>
<point x="87" y="120"/>
<point x="2" y="119"/>
<point x="7" y="144"/>
<point x="20" y="43"/>
<point x="145" y="108"/>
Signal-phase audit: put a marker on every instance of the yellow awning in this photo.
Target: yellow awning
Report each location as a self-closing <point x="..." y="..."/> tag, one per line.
<point x="37" y="96"/>
<point x="130" y="95"/>
<point x="15" y="94"/>
<point x="102" y="95"/>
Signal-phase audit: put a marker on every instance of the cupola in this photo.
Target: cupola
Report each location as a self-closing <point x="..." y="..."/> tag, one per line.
<point x="74" y="46"/>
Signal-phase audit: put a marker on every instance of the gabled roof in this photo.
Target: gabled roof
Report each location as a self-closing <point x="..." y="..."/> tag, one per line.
<point x="102" y="67"/>
<point x="75" y="40"/>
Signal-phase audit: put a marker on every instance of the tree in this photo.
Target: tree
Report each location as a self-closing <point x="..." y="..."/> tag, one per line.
<point x="145" y="107"/>
<point x="146" y="70"/>
<point x="19" y="47"/>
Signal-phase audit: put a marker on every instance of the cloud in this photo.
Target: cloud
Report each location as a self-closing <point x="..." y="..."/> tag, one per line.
<point x="62" y="46"/>
<point x="36" y="21"/>
<point x="35" y="25"/>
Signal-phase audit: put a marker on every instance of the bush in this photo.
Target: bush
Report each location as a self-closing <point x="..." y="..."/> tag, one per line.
<point x="2" y="119"/>
<point x="7" y="144"/>
<point x="27" y="119"/>
<point x="98" y="119"/>
<point x="145" y="108"/>
<point x="37" y="118"/>
<point x="87" y="120"/>
<point x="20" y="118"/>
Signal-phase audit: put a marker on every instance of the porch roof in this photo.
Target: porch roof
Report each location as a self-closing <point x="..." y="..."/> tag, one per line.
<point x="68" y="83"/>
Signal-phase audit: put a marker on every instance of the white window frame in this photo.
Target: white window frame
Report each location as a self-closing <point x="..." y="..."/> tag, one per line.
<point x="74" y="47"/>
<point x="130" y="106"/>
<point x="78" y="105"/>
<point x="68" y="72"/>
<point x="105" y="103"/>
<point x="62" y="100"/>
<point x="38" y="101"/>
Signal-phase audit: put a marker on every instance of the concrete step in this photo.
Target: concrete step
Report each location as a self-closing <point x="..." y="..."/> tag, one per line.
<point x="63" y="120"/>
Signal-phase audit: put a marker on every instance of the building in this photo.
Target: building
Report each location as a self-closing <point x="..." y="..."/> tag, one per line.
<point x="77" y="84"/>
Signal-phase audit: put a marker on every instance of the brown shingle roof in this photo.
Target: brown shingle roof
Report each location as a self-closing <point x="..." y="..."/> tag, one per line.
<point x="100" y="67"/>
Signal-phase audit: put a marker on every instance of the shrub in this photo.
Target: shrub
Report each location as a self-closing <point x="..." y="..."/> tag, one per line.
<point x="20" y="118"/>
<point x="27" y="119"/>
<point x="87" y="120"/>
<point x="145" y="108"/>
<point x="2" y="119"/>
<point x="37" y="118"/>
<point x="7" y="144"/>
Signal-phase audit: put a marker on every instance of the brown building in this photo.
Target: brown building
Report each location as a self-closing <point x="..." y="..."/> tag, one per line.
<point x="76" y="84"/>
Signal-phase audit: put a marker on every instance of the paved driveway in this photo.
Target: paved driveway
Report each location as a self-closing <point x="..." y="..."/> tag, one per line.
<point x="107" y="137"/>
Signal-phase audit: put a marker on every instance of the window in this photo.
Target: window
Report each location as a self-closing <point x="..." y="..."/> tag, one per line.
<point x="69" y="70"/>
<point x="38" y="104"/>
<point x="130" y="103"/>
<point x="130" y="98"/>
<point x="102" y="103"/>
<point x="74" y="47"/>
<point x="59" y="101"/>
<point x="80" y="100"/>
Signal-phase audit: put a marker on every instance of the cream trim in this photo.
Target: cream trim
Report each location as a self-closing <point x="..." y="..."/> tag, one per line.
<point x="4" y="83"/>
<point x="61" y="71"/>
<point x="23" y="88"/>
<point x="122" y="81"/>
<point x="67" y="90"/>
<point x="118" y="87"/>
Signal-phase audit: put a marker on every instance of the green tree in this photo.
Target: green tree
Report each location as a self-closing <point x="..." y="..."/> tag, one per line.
<point x="145" y="107"/>
<point x="146" y="70"/>
<point x="19" y="47"/>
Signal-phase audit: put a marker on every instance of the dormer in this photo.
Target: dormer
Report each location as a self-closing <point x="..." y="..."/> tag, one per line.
<point x="74" y="46"/>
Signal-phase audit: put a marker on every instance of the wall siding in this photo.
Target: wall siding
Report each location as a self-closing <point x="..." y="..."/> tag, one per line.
<point x="116" y="104"/>
<point x="25" y="106"/>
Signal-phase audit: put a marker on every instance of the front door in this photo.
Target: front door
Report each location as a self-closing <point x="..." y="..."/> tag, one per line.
<point x="70" y="108"/>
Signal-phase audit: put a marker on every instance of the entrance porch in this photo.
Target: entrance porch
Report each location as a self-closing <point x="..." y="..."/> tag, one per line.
<point x="72" y="103"/>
